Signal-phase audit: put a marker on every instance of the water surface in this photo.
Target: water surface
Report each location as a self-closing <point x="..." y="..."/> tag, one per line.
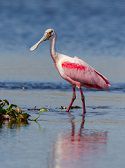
<point x="59" y="139"/>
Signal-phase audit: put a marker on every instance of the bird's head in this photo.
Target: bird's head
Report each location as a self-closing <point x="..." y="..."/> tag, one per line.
<point x="49" y="33"/>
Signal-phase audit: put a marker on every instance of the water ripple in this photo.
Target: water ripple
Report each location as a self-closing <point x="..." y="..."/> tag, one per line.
<point x="33" y="85"/>
<point x="120" y="87"/>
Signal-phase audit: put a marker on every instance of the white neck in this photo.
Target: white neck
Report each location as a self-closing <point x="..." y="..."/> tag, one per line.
<point x="52" y="48"/>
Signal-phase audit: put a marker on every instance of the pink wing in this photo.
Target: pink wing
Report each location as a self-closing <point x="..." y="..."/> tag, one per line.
<point x="81" y="72"/>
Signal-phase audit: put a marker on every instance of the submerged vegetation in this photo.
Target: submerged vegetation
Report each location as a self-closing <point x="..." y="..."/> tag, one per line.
<point x="12" y="114"/>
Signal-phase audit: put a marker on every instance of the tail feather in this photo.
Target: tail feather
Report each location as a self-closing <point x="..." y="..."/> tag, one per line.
<point x="105" y="79"/>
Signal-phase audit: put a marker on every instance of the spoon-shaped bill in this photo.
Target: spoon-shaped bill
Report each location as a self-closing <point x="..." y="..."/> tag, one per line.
<point x="35" y="46"/>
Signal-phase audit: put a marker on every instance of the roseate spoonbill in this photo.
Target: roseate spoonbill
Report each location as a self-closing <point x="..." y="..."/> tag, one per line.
<point x="73" y="69"/>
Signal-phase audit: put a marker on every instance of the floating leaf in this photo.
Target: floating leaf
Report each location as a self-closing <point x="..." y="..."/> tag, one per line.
<point x="43" y="109"/>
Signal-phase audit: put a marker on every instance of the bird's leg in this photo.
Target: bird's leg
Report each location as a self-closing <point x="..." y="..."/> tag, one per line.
<point x="73" y="98"/>
<point x="83" y="101"/>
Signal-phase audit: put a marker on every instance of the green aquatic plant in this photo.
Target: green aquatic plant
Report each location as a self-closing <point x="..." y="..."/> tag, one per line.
<point x="12" y="114"/>
<point x="41" y="110"/>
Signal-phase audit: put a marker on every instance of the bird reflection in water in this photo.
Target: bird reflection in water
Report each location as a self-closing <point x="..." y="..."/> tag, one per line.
<point x="80" y="147"/>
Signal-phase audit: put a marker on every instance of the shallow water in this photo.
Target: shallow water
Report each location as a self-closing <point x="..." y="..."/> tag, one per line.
<point x="59" y="140"/>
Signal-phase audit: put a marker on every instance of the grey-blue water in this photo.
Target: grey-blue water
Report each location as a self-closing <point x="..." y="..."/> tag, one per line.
<point x="119" y="87"/>
<point x="93" y="30"/>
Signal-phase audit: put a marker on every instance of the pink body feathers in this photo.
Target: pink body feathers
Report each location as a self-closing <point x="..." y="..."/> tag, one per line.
<point x="79" y="73"/>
